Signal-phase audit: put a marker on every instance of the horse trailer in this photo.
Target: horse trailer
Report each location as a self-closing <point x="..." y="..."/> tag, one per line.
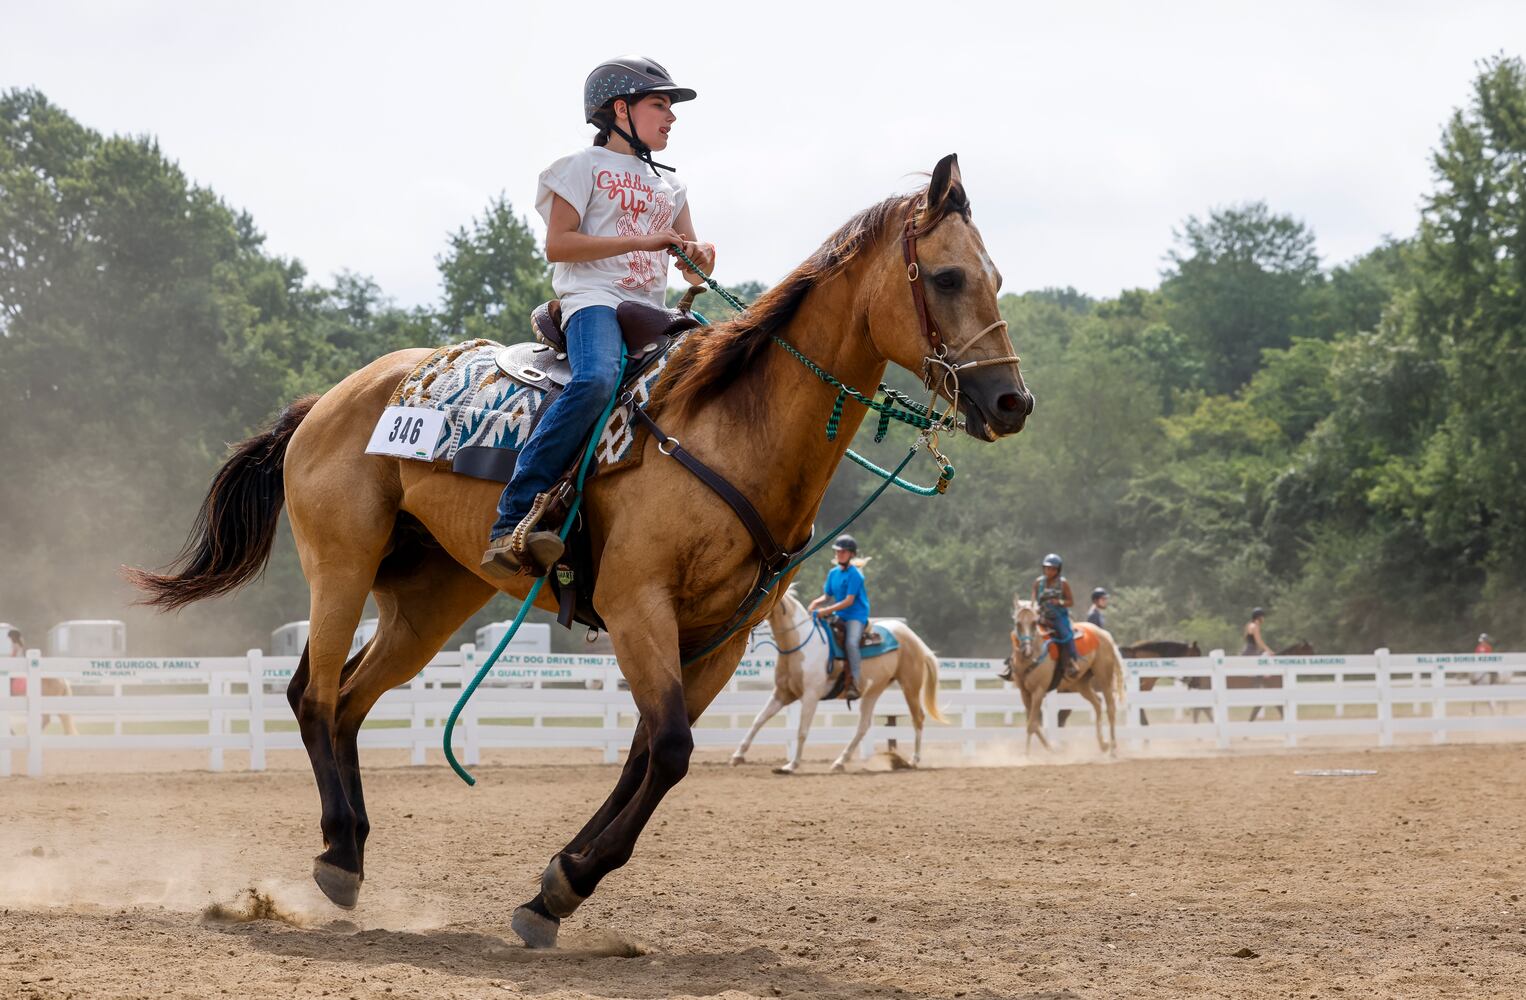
<point x="532" y="637"/>
<point x="290" y="639"/>
<point x="88" y="637"/>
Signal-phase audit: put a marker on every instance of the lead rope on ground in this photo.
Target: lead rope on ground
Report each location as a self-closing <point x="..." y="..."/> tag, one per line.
<point x="529" y="601"/>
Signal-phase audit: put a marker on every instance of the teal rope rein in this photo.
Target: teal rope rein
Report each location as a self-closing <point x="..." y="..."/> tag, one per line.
<point x="529" y="601"/>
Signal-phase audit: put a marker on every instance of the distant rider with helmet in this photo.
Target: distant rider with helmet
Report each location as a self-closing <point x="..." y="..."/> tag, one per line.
<point x="844" y="595"/>
<point x="1099" y="605"/>
<point x="1051" y="592"/>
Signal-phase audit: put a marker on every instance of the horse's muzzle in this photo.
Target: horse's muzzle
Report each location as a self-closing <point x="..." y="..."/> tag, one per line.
<point x="996" y="403"/>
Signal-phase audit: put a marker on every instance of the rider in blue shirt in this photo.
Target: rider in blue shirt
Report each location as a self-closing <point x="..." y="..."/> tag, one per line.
<point x="844" y="595"/>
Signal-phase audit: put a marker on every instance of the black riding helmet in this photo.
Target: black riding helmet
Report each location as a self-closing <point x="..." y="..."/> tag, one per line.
<point x="845" y="542"/>
<point x="1099" y="592"/>
<point x="628" y="77"/>
<point x="1053" y="559"/>
<point x="1257" y="613"/>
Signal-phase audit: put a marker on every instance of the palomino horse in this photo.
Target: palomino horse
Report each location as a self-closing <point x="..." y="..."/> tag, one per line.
<point x="801" y="675"/>
<point x="1155" y="649"/>
<point x="1033" y="671"/>
<point x="674" y="562"/>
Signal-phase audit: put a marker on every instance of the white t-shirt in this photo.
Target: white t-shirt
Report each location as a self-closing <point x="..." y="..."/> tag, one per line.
<point x="615" y="194"/>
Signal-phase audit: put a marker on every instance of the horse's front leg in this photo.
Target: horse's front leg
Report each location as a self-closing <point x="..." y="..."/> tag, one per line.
<point x="872" y="694"/>
<point x="668" y="699"/>
<point x="1036" y="719"/>
<point x="808" y="703"/>
<point x="775" y="703"/>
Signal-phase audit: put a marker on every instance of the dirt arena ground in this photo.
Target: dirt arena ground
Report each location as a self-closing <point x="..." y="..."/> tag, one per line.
<point x="1209" y="877"/>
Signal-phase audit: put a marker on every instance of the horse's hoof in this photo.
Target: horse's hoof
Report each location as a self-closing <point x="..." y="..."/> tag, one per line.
<point x="535" y="929"/>
<point x="737" y="758"/>
<point x="557" y="892"/>
<point x="341" y="887"/>
<point x="838" y="767"/>
<point x="785" y="769"/>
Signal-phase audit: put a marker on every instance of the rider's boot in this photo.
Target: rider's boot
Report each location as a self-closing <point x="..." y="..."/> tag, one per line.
<point x="850" y="690"/>
<point x="1006" y="673"/>
<point x="1069" y="663"/>
<point x="524" y="550"/>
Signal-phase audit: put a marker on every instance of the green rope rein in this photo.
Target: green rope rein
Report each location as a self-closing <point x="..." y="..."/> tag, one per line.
<point x="752" y="603"/>
<point x="896" y="405"/>
<point x="529" y="601"/>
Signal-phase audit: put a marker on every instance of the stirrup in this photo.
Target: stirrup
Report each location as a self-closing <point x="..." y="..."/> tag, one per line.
<point x="537" y="550"/>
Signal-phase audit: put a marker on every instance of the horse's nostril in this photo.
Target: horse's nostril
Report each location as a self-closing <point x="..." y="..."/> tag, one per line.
<point x="1009" y="402"/>
<point x="1028" y="404"/>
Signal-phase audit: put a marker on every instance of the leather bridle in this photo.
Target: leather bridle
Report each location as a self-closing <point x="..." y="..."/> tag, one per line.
<point x="938" y="372"/>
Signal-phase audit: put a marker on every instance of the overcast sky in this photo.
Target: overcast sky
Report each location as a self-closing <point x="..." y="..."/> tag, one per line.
<point x="360" y="134"/>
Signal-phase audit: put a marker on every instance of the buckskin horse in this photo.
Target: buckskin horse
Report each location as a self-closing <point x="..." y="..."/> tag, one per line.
<point x="906" y="281"/>
<point x="801" y="675"/>
<point x="1033" y="671"/>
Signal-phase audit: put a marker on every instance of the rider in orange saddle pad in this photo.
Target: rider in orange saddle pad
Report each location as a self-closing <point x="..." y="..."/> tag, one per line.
<point x="1051" y="592"/>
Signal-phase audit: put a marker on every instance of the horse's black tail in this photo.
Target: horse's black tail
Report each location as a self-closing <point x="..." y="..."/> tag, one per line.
<point x="236" y="526"/>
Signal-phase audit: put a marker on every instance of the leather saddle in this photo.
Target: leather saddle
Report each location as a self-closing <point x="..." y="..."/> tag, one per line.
<point x="838" y="668"/>
<point x="872" y="635"/>
<point x="542" y="364"/>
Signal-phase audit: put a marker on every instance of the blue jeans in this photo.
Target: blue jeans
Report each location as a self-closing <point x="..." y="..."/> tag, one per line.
<point x="1064" y="635"/>
<point x="854" y="654"/>
<point x="594" y="348"/>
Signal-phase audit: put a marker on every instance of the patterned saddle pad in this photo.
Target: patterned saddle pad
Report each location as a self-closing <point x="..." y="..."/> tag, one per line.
<point x="491" y="397"/>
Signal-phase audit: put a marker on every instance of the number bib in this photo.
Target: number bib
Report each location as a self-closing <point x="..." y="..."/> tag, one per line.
<point x="407" y="432"/>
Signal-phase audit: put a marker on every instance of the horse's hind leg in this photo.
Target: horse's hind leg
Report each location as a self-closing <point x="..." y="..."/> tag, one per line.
<point x="421" y="603"/>
<point x="1112" y="717"/>
<point x="1086" y="692"/>
<point x="341" y="544"/>
<point x="913" y="693"/>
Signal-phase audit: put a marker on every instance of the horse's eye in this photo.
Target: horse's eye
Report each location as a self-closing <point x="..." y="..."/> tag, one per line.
<point x="950" y="280"/>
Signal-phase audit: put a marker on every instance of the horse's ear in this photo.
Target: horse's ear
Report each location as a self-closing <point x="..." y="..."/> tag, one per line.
<point x="946" y="190"/>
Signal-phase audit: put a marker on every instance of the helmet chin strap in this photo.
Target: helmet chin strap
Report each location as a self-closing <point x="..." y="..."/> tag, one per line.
<point x="642" y="149"/>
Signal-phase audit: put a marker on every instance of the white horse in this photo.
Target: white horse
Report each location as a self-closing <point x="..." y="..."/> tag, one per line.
<point x="801" y="675"/>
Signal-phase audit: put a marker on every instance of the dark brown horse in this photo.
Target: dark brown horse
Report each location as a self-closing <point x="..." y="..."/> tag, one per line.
<point x="1300" y="648"/>
<point x="1158" y="649"/>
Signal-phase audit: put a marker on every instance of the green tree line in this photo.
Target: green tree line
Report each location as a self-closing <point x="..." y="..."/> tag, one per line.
<point x="1341" y="444"/>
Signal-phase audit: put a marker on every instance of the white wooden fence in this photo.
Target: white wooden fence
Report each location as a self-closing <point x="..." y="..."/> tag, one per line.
<point x="218" y="704"/>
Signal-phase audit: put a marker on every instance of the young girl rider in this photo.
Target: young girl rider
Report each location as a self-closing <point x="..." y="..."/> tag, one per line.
<point x="612" y="216"/>
<point x="1051" y="592"/>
